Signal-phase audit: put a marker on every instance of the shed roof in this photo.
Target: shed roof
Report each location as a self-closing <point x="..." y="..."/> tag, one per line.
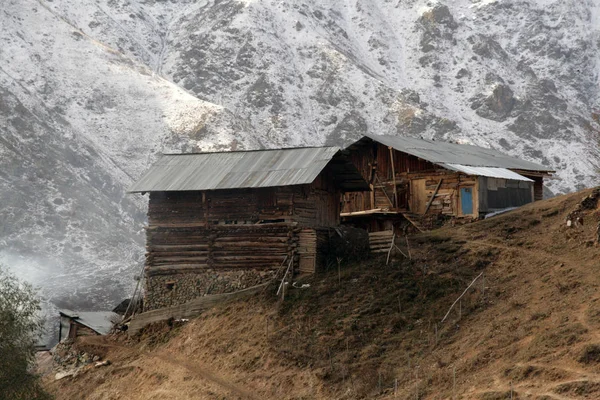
<point x="439" y="152"/>
<point x="99" y="321"/>
<point x="491" y="172"/>
<point x="248" y="169"/>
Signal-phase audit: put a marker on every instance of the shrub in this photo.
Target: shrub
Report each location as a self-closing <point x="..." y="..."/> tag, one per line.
<point x="20" y="326"/>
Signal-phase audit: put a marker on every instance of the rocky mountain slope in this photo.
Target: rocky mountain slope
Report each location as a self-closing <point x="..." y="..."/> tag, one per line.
<point x="93" y="90"/>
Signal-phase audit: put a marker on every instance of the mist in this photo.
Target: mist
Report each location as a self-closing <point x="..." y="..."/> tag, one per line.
<point x="69" y="285"/>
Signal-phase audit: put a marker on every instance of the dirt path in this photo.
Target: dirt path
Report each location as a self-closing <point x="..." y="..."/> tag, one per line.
<point x="194" y="368"/>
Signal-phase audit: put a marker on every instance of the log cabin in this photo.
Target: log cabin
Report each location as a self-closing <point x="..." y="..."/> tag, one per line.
<point x="223" y="222"/>
<point x="423" y="181"/>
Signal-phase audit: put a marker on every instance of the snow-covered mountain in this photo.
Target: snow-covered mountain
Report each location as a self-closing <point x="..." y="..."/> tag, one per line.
<point x="92" y="90"/>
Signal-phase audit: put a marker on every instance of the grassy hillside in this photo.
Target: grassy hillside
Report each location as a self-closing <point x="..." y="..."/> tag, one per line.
<point x="530" y="323"/>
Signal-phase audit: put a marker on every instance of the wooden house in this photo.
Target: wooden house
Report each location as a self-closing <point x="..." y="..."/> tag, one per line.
<point x="74" y="324"/>
<point x="223" y="222"/>
<point x="419" y="180"/>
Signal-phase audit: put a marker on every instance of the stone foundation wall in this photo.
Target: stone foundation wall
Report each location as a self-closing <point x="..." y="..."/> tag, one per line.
<point x="170" y="290"/>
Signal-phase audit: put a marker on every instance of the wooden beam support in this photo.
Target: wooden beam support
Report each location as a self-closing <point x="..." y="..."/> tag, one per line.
<point x="433" y="195"/>
<point x="395" y="205"/>
<point x="384" y="192"/>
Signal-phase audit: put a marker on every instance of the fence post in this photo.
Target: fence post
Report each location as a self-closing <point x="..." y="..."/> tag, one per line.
<point x="454" y="382"/>
<point x="483" y="285"/>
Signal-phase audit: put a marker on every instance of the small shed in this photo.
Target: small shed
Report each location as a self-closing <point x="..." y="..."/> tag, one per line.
<point x="412" y="178"/>
<point x="74" y="324"/>
<point x="223" y="222"/>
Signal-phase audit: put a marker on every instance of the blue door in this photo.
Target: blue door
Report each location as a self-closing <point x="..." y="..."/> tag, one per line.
<point x="466" y="200"/>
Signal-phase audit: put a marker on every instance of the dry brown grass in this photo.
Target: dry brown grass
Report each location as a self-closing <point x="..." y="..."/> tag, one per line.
<point x="536" y="326"/>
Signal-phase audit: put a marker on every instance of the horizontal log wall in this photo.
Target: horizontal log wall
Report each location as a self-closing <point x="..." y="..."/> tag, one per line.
<point x="201" y="243"/>
<point x="315" y="205"/>
<point x="183" y="263"/>
<point x="380" y="242"/>
<point x="243" y="206"/>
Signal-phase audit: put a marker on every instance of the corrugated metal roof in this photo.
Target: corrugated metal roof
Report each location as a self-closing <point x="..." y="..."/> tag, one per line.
<point x="246" y="169"/>
<point x="491" y="172"/>
<point x="453" y="153"/>
<point x="99" y="321"/>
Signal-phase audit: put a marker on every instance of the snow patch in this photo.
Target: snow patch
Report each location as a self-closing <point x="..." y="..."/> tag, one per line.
<point x="483" y="3"/>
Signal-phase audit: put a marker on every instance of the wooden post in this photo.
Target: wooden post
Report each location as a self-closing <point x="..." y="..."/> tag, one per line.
<point x="416" y="383"/>
<point x="205" y="207"/>
<point x="390" y="250"/>
<point x="394" y="177"/>
<point x="482" y="286"/>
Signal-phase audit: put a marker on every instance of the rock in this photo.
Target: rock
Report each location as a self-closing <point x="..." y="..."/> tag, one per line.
<point x="437" y="24"/>
<point x="498" y="105"/>
<point x="102" y="363"/>
<point x="462" y="73"/>
<point x="485" y="46"/>
<point x="64" y="374"/>
<point x="440" y="14"/>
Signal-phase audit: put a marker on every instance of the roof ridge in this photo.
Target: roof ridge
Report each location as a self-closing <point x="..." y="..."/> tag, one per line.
<point x="449" y="152"/>
<point x="251" y="151"/>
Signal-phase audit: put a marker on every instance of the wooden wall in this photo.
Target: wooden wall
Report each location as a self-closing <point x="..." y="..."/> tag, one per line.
<point x="374" y="161"/>
<point x="316" y="205"/>
<point x="446" y="200"/>
<point x="186" y="262"/>
<point x="172" y="250"/>
<point x="538" y="188"/>
<point x="221" y="241"/>
<point x="416" y="180"/>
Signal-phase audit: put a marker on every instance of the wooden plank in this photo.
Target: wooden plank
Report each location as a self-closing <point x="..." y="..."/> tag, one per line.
<point x="381" y="233"/>
<point x="307" y="250"/>
<point x="417" y="193"/>
<point x="190" y="309"/>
